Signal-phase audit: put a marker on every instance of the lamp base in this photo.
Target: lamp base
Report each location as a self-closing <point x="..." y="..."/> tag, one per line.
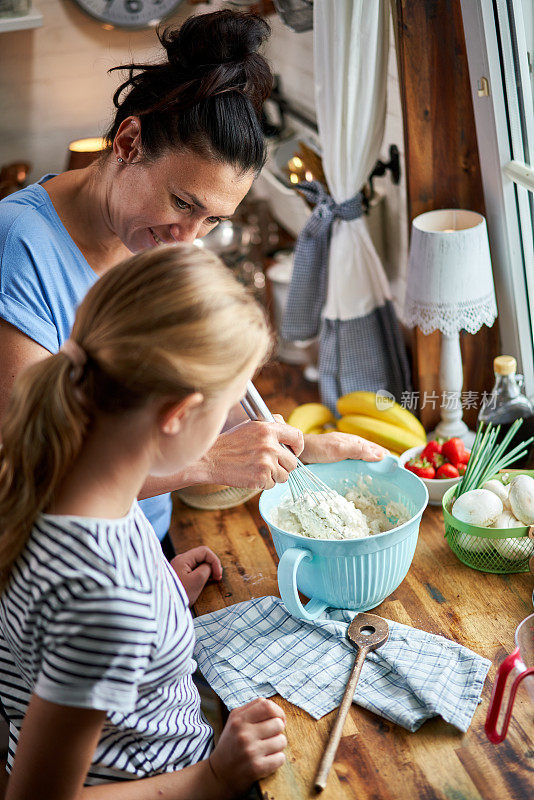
<point x="446" y="431"/>
<point x="451" y="380"/>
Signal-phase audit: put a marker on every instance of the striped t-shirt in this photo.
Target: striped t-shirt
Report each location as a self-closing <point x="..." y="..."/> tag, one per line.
<point x="94" y="617"/>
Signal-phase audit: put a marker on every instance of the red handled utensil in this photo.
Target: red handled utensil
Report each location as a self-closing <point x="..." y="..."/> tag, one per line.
<point x="522" y="661"/>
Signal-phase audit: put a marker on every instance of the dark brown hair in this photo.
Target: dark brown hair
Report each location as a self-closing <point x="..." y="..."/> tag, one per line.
<point x="208" y="93"/>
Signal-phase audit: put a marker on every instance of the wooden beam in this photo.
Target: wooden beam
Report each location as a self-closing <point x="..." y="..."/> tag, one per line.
<point x="442" y="164"/>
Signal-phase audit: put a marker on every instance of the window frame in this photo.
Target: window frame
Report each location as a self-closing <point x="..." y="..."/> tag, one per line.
<point x="504" y="118"/>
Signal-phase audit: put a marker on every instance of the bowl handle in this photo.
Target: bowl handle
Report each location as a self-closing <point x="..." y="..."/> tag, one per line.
<point x="287" y="583"/>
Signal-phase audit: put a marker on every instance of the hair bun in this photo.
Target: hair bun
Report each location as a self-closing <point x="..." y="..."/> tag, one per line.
<point x="221" y="37"/>
<point x="207" y="94"/>
<point x="220" y="48"/>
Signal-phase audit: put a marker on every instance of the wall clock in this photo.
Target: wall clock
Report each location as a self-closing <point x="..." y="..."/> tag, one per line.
<point x="130" y="14"/>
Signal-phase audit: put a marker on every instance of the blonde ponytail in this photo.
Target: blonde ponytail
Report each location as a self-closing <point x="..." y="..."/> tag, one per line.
<point x="164" y="323"/>
<point x="42" y="434"/>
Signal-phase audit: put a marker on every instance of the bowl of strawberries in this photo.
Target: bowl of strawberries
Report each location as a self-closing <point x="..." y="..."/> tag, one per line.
<point x="440" y="464"/>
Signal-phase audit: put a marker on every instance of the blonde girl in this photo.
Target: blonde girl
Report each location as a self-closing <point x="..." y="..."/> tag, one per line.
<point x="96" y="637"/>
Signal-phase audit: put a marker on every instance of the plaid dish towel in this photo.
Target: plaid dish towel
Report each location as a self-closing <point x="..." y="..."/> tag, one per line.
<point x="257" y="649"/>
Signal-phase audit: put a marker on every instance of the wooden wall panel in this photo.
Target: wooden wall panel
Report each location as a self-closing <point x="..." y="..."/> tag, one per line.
<point x="442" y="165"/>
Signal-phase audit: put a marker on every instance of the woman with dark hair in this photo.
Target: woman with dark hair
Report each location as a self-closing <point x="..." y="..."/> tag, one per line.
<point x="183" y="150"/>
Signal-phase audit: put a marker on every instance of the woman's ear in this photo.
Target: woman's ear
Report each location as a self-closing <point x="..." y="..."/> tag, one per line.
<point x="171" y="416"/>
<point x="127" y="142"/>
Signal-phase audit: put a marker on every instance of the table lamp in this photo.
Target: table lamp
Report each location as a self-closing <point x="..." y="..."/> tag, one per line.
<point x="449" y="289"/>
<point x="83" y="152"/>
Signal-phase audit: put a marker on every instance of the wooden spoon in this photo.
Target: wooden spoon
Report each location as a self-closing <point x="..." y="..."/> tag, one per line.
<point x="366" y="632"/>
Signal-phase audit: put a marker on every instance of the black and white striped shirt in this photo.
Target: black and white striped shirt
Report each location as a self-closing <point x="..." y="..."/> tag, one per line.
<point x="94" y="617"/>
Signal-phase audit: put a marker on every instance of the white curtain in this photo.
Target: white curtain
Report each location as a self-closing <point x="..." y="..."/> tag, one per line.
<point x="339" y="288"/>
<point x="351" y="44"/>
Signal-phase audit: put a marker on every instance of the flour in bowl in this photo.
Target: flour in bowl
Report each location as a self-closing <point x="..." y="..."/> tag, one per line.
<point x="355" y="516"/>
<point x="321" y="516"/>
<point x="380" y="518"/>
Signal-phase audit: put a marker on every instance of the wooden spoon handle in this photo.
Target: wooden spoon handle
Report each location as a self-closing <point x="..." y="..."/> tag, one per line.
<point x="337" y="728"/>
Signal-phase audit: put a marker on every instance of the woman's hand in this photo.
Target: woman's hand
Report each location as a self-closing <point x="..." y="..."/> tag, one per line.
<point x="251" y="745"/>
<point x="194" y="568"/>
<point x="329" y="447"/>
<point x="251" y="455"/>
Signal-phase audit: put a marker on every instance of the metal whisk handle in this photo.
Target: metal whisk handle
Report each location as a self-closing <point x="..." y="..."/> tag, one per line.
<point x="254" y="404"/>
<point x="301" y="480"/>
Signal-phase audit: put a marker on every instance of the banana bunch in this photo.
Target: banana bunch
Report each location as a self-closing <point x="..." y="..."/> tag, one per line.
<point x="381" y="420"/>
<point x="312" y="418"/>
<point x="374" y="417"/>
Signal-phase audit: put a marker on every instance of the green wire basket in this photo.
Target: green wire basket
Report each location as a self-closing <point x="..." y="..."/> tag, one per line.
<point x="500" y="550"/>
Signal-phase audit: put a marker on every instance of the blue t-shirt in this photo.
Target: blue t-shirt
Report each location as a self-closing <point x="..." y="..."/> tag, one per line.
<point x="43" y="279"/>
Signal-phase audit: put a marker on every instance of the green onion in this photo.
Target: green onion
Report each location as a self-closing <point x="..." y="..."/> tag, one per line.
<point x="487" y="457"/>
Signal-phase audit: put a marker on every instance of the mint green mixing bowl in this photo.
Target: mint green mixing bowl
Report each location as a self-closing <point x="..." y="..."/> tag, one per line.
<point x="351" y="573"/>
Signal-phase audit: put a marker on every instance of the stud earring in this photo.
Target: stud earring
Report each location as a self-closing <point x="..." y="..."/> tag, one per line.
<point x="120" y="160"/>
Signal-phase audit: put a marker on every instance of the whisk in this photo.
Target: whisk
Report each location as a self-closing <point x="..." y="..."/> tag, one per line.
<point x="301" y="480"/>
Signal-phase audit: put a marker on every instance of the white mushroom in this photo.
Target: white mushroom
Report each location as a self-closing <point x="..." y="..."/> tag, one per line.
<point x="501" y="491"/>
<point x="515" y="549"/>
<point x="473" y="544"/>
<point x="521" y="498"/>
<point x="478" y="507"/>
<point x="507" y="520"/>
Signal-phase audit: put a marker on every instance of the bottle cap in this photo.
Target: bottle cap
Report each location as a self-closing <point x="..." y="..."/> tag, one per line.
<point x="504" y="365"/>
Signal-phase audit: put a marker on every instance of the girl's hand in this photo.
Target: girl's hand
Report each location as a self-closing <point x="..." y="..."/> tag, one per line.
<point x="251" y="745"/>
<point x="328" y="447"/>
<point x="194" y="568"/>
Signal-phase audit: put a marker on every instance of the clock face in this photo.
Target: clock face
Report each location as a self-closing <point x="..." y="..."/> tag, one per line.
<point x="128" y="13"/>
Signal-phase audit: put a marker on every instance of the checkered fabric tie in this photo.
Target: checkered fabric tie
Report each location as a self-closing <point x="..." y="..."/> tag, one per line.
<point x="307" y="293"/>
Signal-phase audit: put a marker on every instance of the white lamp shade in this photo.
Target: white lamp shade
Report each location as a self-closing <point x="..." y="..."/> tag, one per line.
<point x="450" y="281"/>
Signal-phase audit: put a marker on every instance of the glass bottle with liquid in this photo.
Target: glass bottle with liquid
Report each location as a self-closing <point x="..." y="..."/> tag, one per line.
<point x="508" y="402"/>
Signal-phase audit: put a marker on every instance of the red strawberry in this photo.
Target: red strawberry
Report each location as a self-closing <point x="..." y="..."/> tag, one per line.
<point x="421" y="467"/>
<point x="447" y="471"/>
<point x="430" y="450"/>
<point x="454" y="451"/>
<point x="432" y="453"/>
<point x="437" y="460"/>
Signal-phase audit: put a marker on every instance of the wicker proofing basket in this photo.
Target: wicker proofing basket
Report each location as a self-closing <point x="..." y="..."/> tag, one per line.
<point x="501" y="550"/>
<point x="214" y="497"/>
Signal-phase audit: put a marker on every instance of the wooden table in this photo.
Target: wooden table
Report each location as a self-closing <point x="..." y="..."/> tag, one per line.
<point x="376" y="759"/>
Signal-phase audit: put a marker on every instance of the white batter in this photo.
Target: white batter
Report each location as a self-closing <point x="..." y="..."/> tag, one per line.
<point x="354" y="516"/>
